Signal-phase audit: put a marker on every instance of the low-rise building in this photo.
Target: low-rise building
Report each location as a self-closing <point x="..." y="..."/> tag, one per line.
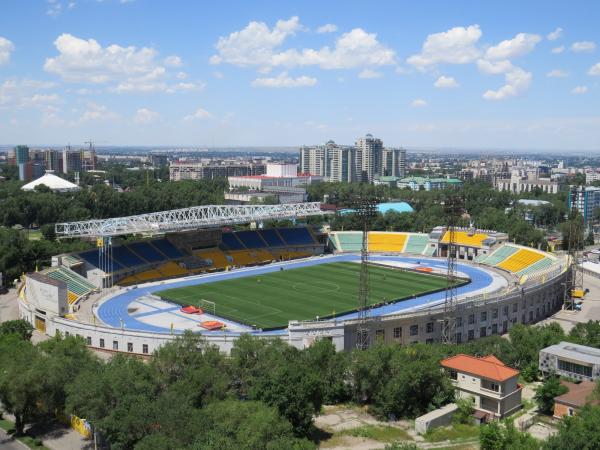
<point x="575" y="361"/>
<point x="428" y="184"/>
<point x="492" y="385"/>
<point x="579" y="394"/>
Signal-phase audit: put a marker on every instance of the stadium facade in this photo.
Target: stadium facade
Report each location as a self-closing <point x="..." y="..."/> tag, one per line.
<point x="508" y="284"/>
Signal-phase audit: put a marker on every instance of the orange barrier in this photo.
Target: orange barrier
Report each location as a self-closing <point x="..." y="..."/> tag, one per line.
<point x="212" y="325"/>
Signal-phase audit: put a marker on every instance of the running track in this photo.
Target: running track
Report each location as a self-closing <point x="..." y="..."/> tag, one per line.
<point x="113" y="311"/>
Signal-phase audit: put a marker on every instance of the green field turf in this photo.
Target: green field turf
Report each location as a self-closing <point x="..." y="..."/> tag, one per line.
<point x="271" y="300"/>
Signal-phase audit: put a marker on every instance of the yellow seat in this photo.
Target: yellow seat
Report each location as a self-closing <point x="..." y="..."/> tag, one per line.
<point x="387" y="242"/>
<point x="465" y="238"/>
<point x="72" y="297"/>
<point x="216" y="256"/>
<point x="243" y="257"/>
<point x="520" y="260"/>
<point x="171" y="269"/>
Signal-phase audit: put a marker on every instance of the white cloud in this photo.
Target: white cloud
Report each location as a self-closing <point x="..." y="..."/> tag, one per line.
<point x="583" y="46"/>
<point x="557" y="50"/>
<point x="96" y="113"/>
<point x="86" y="61"/>
<point x="595" y="69"/>
<point x="258" y="45"/>
<point x="124" y="69"/>
<point x="145" y="116"/>
<point x="579" y="90"/>
<point x="494" y="67"/>
<point x="173" y="61"/>
<point x="517" y="81"/>
<point x="520" y="45"/>
<point x="26" y="93"/>
<point x="6" y="48"/>
<point x="255" y="44"/>
<point x="455" y="46"/>
<point x="418" y="103"/>
<point x="199" y="114"/>
<point x="181" y="75"/>
<point x="445" y="82"/>
<point x="284" y="81"/>
<point x="557" y="73"/>
<point x="368" y="73"/>
<point x="556" y="34"/>
<point x="327" y="28"/>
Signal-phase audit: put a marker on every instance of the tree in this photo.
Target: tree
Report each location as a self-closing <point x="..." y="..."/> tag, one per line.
<point x="21" y="328"/>
<point x="48" y="232"/>
<point x="587" y="333"/>
<point x="466" y="408"/>
<point x="589" y="240"/>
<point x="546" y="392"/>
<point x="21" y="380"/>
<point x="494" y="436"/>
<point x="579" y="431"/>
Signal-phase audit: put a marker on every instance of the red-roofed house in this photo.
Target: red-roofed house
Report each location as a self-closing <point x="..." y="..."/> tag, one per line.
<point x="491" y="383"/>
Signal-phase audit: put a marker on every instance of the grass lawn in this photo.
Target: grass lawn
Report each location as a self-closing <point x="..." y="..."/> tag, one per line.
<point x="382" y="433"/>
<point x="457" y="431"/>
<point x="271" y="300"/>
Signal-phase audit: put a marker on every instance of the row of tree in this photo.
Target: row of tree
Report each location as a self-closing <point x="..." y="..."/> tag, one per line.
<point x="264" y="395"/>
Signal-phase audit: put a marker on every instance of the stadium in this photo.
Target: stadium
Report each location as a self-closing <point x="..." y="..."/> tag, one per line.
<point x="153" y="276"/>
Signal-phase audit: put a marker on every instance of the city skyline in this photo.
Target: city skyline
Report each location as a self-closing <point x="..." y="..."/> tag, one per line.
<point x="462" y="75"/>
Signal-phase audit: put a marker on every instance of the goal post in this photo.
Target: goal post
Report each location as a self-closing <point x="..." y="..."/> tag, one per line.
<point x="208" y="306"/>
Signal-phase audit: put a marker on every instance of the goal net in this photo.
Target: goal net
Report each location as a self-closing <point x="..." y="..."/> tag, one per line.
<point x="208" y="306"/>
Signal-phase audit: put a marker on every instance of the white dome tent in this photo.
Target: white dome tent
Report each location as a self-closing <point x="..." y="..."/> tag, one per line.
<point x="53" y="182"/>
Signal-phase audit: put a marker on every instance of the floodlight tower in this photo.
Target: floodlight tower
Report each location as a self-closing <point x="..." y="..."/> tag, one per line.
<point x="453" y="208"/>
<point x="367" y="209"/>
<point x="574" y="282"/>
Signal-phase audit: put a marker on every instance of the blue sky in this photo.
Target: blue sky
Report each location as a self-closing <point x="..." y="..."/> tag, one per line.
<point x="515" y="75"/>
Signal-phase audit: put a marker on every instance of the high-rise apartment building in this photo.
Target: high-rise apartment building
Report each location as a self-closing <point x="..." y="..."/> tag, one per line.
<point x="584" y="199"/>
<point x="368" y="158"/>
<point x="331" y="161"/>
<point x="393" y="162"/>
<point x="71" y="160"/>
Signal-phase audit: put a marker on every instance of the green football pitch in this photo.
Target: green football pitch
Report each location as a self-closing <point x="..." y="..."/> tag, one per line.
<point x="271" y="300"/>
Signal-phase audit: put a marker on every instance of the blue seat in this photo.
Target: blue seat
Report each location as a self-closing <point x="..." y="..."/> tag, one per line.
<point x="251" y="239"/>
<point x="91" y="257"/>
<point x="167" y="248"/>
<point x="124" y="256"/>
<point x="231" y="242"/>
<point x="296" y="236"/>
<point x="146" y="251"/>
<point x="272" y="238"/>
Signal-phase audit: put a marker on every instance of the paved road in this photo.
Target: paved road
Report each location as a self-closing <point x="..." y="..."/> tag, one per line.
<point x="8" y="443"/>
<point x="9" y="308"/>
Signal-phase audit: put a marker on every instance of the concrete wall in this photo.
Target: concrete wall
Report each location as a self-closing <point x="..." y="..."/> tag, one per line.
<point x="437" y="418"/>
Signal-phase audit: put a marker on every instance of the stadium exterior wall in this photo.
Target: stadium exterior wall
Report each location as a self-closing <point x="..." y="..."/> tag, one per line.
<point x="475" y="319"/>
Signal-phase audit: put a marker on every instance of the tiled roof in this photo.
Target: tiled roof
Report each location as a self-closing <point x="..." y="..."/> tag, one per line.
<point x="579" y="394"/>
<point x="488" y="367"/>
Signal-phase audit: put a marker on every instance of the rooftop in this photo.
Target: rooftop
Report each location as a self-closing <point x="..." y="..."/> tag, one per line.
<point x="577" y="352"/>
<point x="578" y="395"/>
<point x="53" y="182"/>
<point x="488" y="367"/>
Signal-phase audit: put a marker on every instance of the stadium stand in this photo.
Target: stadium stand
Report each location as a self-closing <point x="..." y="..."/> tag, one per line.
<point x="520" y="260"/>
<point x="77" y="286"/>
<point x="386" y="242"/>
<point x="542" y="264"/>
<point x="271" y="237"/>
<point x="147" y="251"/>
<point x="231" y="242"/>
<point x="429" y="251"/>
<point x="498" y="255"/>
<point x="251" y="239"/>
<point x="126" y="257"/>
<point x="465" y="238"/>
<point x="349" y="241"/>
<point x="242" y="257"/>
<point x="296" y="236"/>
<point x="171" y="269"/>
<point x="167" y="249"/>
<point x="417" y="243"/>
<point x="215" y="256"/>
